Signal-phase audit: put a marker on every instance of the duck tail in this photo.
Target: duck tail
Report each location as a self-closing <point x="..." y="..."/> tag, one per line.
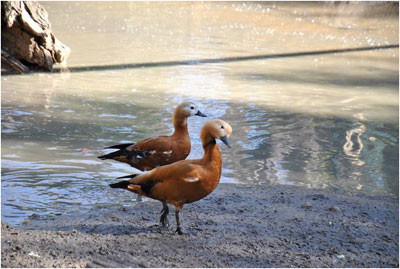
<point x="120" y="146"/>
<point x="122" y="184"/>
<point x="121" y="152"/>
<point x="128" y="176"/>
<point x="112" y="155"/>
<point x="133" y="155"/>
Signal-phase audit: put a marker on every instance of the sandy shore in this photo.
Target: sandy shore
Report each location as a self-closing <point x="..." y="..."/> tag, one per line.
<point x="236" y="226"/>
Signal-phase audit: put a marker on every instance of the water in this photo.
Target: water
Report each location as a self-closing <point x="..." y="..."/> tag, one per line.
<point x="319" y="120"/>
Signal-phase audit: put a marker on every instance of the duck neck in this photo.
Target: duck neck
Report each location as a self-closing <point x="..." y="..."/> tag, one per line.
<point x="180" y="125"/>
<point x="212" y="154"/>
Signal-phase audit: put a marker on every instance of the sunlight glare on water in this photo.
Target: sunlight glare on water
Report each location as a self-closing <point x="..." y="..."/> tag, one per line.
<point x="320" y="120"/>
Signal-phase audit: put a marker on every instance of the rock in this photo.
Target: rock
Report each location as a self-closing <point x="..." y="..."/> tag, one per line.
<point x="307" y="205"/>
<point x="334" y="209"/>
<point x="27" y="36"/>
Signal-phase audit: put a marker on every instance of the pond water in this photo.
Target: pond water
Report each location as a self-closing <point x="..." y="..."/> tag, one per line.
<point x="301" y="117"/>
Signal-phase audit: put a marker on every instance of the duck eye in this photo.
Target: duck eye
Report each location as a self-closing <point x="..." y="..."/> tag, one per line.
<point x="222" y="127"/>
<point x="192" y="107"/>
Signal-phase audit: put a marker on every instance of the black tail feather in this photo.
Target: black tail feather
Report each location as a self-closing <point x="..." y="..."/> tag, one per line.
<point x="146" y="186"/>
<point x="111" y="155"/>
<point x="133" y="155"/>
<point x="121" y="185"/>
<point x="120" y="146"/>
<point x="128" y="176"/>
<point x="121" y="152"/>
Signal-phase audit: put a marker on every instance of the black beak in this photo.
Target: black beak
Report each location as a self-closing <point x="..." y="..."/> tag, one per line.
<point x="200" y="114"/>
<point x="225" y="140"/>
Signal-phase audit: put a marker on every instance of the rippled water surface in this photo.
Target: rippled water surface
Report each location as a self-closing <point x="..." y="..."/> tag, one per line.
<point x="321" y="120"/>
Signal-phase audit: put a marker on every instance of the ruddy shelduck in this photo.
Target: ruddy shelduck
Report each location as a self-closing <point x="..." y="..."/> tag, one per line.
<point x="184" y="181"/>
<point x="162" y="150"/>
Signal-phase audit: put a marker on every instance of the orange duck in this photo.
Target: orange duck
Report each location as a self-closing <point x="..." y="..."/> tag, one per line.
<point x="184" y="181"/>
<point x="162" y="150"/>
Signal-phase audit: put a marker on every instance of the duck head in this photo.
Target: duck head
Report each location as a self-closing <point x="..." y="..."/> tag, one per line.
<point x="188" y="109"/>
<point x="216" y="129"/>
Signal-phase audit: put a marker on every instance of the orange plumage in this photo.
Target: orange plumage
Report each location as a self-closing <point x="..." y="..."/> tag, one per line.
<point x="162" y="150"/>
<point x="184" y="181"/>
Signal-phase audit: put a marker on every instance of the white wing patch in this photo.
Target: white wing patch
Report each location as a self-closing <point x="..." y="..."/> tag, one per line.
<point x="167" y="152"/>
<point x="192" y="179"/>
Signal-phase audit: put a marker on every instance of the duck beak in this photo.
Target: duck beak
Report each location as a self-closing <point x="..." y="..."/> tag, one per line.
<point x="200" y="114"/>
<point x="225" y="140"/>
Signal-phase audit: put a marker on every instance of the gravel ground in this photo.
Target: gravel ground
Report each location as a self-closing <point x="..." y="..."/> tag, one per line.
<point x="236" y="226"/>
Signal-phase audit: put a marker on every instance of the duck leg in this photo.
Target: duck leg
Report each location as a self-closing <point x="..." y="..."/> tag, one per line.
<point x="164" y="215"/>
<point x="178" y="221"/>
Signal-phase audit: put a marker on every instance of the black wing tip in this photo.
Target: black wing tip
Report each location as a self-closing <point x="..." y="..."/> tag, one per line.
<point x="120" y="146"/>
<point x="128" y="176"/>
<point x="120" y="185"/>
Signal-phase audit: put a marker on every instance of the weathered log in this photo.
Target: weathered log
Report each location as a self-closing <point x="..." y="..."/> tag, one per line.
<point x="27" y="39"/>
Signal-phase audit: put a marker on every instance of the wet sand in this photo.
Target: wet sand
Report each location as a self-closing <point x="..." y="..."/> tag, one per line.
<point x="236" y="226"/>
